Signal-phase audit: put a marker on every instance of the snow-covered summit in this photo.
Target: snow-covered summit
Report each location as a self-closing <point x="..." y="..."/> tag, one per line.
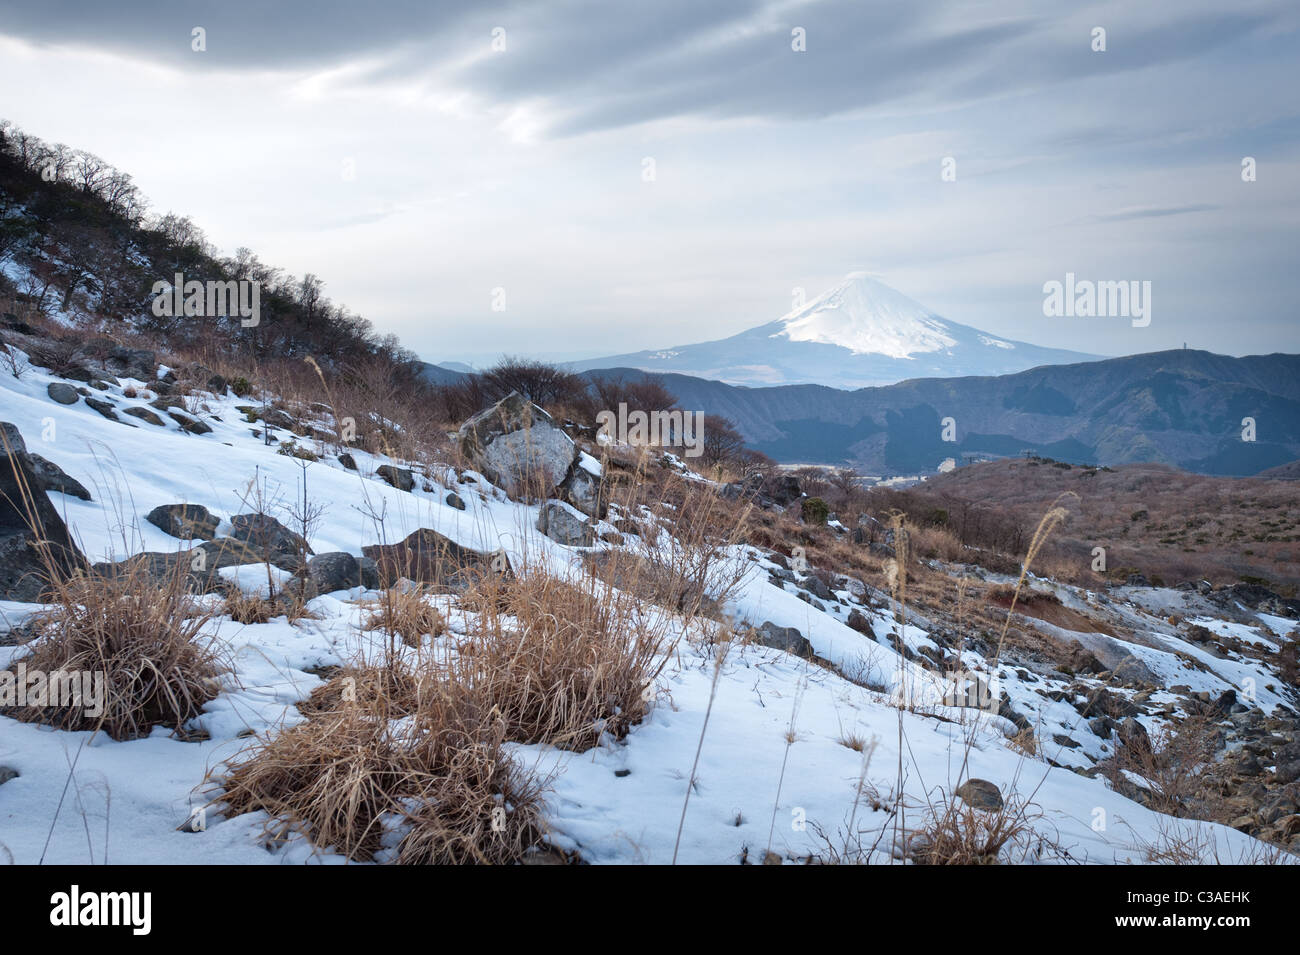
<point x="866" y="316"/>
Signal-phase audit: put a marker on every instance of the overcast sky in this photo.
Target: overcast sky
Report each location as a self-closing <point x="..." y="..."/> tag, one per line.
<point x="392" y="150"/>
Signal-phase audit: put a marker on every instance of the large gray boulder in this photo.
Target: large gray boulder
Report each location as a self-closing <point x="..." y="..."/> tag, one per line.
<point x="518" y="447"/>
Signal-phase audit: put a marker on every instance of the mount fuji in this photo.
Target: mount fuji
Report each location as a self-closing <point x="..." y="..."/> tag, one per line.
<point x="858" y="334"/>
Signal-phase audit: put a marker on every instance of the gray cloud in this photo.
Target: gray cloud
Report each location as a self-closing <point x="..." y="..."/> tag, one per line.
<point x="599" y="65"/>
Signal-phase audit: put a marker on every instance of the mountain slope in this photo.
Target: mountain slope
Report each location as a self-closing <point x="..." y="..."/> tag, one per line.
<point x="859" y="333"/>
<point x="1184" y="408"/>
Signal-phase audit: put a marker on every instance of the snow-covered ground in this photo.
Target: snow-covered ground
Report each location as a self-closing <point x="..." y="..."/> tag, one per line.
<point x="80" y="798"/>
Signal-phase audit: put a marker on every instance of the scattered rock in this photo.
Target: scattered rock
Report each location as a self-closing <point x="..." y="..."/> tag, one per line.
<point x="62" y="392"/>
<point x="51" y="477"/>
<point x="859" y="622"/>
<point x="185" y="521"/>
<point x="454" y="500"/>
<point x="428" y="557"/>
<point x="400" y="478"/>
<point x="585" y="491"/>
<point x="103" y="407"/>
<point x="144" y="414"/>
<point x="348" y="461"/>
<point x="788" y="639"/>
<point x="7" y="773"/>
<point x="1134" y="736"/>
<point x="186" y="420"/>
<point x="980" y="794"/>
<point x="339" y="570"/>
<point x="817" y="587"/>
<point x="565" y="524"/>
<point x="266" y="534"/>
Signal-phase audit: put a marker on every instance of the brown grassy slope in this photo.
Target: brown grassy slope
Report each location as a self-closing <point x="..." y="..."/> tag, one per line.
<point x="1164" y="522"/>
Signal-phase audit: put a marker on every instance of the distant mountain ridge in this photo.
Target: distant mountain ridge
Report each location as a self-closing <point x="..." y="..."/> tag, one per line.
<point x="858" y="334"/>
<point x="1184" y="408"/>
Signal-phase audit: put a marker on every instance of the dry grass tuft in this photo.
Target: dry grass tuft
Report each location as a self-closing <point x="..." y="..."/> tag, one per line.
<point x="561" y="664"/>
<point x="142" y="637"/>
<point x="437" y="788"/>
<point x="406" y="613"/>
<point x="958" y="834"/>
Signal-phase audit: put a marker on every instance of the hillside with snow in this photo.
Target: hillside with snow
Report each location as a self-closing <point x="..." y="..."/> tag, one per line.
<point x="797" y="710"/>
<point x="858" y="334"/>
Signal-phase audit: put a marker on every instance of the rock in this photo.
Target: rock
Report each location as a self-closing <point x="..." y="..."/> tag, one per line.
<point x="1107" y="703"/>
<point x="565" y="524"/>
<point x="1101" y="726"/>
<point x="782" y="489"/>
<point x="62" y="392"/>
<point x="454" y="500"/>
<point x="103" y="407"/>
<point x="980" y="794"/>
<point x="265" y="534"/>
<point x="1082" y="660"/>
<point x="1134" y="736"/>
<point x="788" y="639"/>
<point x="817" y="587"/>
<point x="859" y="622"/>
<point x="584" y="490"/>
<point x="186" y="420"/>
<point x="348" y="461"/>
<point x="856" y="588"/>
<point x="400" y="478"/>
<point x="1224" y="704"/>
<point x="1287" y="770"/>
<point x="27" y="554"/>
<point x="1131" y="670"/>
<point x="7" y="773"/>
<point x="51" y="477"/>
<point x="339" y="570"/>
<point x="1137" y="580"/>
<point x="278" y="418"/>
<point x="185" y="521"/>
<point x="517" y="446"/>
<point x="144" y="414"/>
<point x="139" y="363"/>
<point x="426" y="556"/>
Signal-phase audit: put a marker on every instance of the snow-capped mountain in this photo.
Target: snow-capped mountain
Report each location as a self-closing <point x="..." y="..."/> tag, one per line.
<point x="857" y="334"/>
